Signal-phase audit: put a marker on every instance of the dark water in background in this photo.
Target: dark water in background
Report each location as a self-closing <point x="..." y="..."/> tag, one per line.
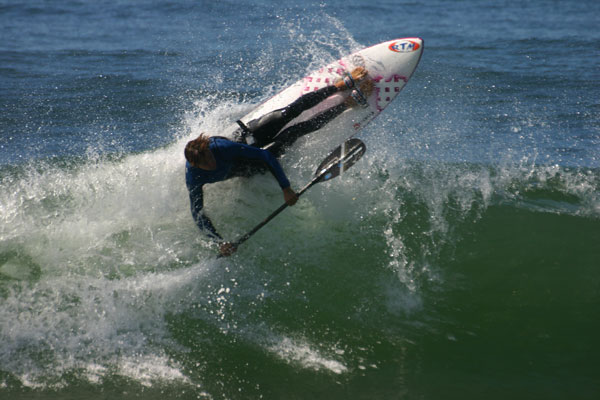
<point x="459" y="258"/>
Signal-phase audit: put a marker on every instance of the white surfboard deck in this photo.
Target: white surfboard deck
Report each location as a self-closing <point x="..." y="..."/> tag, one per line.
<point x="389" y="64"/>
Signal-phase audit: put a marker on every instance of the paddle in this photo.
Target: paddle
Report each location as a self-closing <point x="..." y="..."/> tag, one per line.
<point x="336" y="163"/>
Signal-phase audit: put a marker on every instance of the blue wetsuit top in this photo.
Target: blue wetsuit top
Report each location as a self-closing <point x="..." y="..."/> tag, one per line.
<point x="228" y="155"/>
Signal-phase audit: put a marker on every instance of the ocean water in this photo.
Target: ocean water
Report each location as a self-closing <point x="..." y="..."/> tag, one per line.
<point x="459" y="259"/>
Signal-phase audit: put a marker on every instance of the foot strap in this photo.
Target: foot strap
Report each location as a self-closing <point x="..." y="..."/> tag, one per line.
<point x="359" y="98"/>
<point x="348" y="80"/>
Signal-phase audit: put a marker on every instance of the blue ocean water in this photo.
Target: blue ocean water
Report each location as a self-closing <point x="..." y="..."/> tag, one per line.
<point x="458" y="259"/>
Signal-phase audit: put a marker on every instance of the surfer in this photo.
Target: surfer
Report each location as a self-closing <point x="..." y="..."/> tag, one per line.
<point x="268" y="131"/>
<point x="215" y="159"/>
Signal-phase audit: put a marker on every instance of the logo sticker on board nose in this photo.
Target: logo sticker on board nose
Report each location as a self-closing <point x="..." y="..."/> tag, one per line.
<point x="404" y="46"/>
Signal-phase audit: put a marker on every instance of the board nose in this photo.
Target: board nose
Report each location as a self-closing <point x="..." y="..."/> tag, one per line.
<point x="420" y="42"/>
<point x="415" y="50"/>
<point x="417" y="44"/>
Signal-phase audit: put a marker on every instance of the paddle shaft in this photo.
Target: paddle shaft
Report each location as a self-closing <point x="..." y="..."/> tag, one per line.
<point x="342" y="158"/>
<point x="276" y="212"/>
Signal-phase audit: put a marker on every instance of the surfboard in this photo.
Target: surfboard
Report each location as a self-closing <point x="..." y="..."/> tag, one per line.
<point x="389" y="64"/>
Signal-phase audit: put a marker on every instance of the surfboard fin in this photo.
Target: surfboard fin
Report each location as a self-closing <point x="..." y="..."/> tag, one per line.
<point x="348" y="81"/>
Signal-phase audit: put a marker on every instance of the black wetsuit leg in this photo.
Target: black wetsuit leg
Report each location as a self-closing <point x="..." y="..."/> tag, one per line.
<point x="265" y="128"/>
<point x="285" y="139"/>
<point x="288" y="136"/>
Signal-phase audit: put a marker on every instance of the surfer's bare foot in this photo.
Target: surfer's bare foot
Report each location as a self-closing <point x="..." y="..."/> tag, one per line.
<point x="360" y="96"/>
<point x="359" y="73"/>
<point x="350" y="81"/>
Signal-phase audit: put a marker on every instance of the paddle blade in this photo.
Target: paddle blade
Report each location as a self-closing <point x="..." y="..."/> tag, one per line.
<point x="342" y="158"/>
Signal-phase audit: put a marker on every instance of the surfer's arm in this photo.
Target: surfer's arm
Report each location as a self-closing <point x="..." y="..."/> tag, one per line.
<point x="203" y="222"/>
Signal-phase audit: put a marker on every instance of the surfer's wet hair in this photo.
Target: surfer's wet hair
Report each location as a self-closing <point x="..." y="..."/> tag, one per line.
<point x="195" y="148"/>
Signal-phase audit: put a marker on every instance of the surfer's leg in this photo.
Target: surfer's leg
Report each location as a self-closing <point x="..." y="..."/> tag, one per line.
<point x="288" y="136"/>
<point x="265" y="128"/>
<point x="308" y="101"/>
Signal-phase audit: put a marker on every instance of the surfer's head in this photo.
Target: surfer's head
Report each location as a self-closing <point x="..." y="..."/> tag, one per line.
<point x="195" y="150"/>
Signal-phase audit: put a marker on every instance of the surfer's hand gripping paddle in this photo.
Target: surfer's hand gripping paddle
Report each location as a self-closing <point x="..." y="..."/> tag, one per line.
<point x="336" y="163"/>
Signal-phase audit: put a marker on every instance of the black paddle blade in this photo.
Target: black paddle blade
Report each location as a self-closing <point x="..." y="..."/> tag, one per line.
<point x="341" y="159"/>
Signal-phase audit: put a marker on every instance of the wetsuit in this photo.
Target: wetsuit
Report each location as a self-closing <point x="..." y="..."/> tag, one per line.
<point x="228" y="156"/>
<point x="239" y="159"/>
<point x="267" y="130"/>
